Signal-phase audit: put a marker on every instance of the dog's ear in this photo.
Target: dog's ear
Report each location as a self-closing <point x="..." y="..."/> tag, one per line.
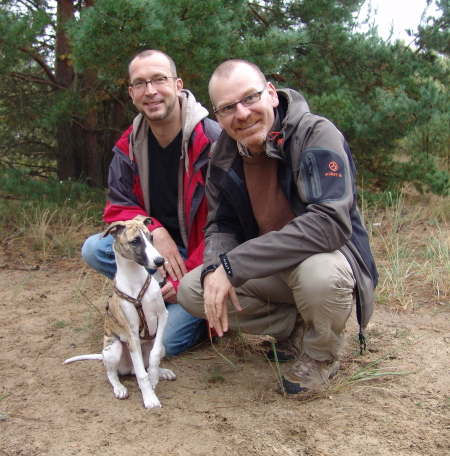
<point x="113" y="229"/>
<point x="145" y="219"/>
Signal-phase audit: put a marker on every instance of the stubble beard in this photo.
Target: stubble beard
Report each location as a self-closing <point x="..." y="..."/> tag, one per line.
<point x="254" y="140"/>
<point x="159" y="116"/>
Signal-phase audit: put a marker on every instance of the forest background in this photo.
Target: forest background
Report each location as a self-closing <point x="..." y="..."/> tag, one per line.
<point x="64" y="91"/>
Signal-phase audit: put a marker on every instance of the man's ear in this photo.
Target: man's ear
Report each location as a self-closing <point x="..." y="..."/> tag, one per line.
<point x="130" y="92"/>
<point x="179" y="84"/>
<point x="272" y="91"/>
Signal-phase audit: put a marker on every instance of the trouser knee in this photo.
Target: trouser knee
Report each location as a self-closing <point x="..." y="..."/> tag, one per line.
<point x="89" y="250"/>
<point x="267" y="305"/>
<point x="322" y="278"/>
<point x="323" y="287"/>
<point x="99" y="254"/>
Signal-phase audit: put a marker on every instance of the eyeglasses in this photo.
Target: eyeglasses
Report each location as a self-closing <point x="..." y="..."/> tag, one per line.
<point x="160" y="81"/>
<point x="247" y="101"/>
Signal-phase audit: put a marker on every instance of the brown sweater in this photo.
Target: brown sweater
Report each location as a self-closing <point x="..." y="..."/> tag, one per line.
<point x="270" y="206"/>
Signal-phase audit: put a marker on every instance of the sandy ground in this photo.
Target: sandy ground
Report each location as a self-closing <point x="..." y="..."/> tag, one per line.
<point x="223" y="402"/>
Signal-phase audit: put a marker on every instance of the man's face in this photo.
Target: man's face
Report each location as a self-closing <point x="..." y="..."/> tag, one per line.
<point x="249" y="125"/>
<point x="155" y="103"/>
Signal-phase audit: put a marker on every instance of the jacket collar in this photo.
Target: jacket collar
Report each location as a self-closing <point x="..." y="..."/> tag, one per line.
<point x="288" y="114"/>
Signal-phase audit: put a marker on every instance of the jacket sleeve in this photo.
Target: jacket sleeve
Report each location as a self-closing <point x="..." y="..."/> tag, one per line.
<point x="223" y="230"/>
<point x="322" y="175"/>
<point x="125" y="199"/>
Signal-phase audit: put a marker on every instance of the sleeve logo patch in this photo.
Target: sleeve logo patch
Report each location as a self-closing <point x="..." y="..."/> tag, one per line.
<point x="334" y="168"/>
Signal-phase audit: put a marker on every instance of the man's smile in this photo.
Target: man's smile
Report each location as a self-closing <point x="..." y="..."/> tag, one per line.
<point x="153" y="103"/>
<point x="247" y="126"/>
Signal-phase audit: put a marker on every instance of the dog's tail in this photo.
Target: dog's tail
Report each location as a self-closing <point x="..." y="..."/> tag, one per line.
<point x="98" y="357"/>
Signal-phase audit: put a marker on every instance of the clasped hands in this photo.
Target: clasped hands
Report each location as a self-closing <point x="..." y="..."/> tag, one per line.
<point x="217" y="289"/>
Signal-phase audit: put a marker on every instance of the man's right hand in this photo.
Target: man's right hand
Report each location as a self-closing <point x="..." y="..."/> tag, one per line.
<point x="168" y="249"/>
<point x="216" y="291"/>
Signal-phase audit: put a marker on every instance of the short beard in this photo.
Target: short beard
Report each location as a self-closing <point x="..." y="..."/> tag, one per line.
<point x="257" y="140"/>
<point x="155" y="117"/>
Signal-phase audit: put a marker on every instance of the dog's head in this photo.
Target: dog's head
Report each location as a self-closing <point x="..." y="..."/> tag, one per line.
<point x="133" y="241"/>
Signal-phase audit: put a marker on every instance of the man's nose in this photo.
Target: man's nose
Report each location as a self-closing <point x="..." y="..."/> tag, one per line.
<point x="242" y="112"/>
<point x="149" y="89"/>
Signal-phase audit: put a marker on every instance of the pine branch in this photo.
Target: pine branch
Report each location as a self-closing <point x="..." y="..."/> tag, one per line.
<point x="48" y="71"/>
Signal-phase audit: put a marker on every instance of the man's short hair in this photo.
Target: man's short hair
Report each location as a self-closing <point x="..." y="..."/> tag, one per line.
<point x="225" y="69"/>
<point x="150" y="52"/>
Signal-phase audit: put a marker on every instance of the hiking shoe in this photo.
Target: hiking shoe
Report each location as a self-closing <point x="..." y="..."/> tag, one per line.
<point x="284" y="351"/>
<point x="289" y="348"/>
<point x="307" y="374"/>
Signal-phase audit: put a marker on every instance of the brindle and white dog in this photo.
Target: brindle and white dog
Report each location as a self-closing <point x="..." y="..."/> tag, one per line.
<point x="136" y="314"/>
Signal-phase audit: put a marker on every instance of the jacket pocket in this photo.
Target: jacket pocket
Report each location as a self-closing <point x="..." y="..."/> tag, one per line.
<point x="313" y="176"/>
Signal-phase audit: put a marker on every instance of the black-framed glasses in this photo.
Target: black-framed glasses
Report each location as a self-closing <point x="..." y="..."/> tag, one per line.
<point x="141" y="86"/>
<point x="246" y="101"/>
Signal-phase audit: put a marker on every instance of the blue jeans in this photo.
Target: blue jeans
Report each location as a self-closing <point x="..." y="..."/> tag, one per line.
<point x="183" y="331"/>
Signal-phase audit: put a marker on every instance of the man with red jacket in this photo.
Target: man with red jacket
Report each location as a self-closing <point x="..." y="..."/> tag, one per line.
<point x="158" y="169"/>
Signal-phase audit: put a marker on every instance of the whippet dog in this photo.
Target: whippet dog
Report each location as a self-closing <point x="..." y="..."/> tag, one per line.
<point x="135" y="313"/>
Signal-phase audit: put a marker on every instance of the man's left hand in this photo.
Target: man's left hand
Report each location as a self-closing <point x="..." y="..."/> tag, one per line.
<point x="217" y="290"/>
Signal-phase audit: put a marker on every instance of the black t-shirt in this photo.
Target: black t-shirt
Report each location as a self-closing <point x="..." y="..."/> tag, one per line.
<point x="164" y="165"/>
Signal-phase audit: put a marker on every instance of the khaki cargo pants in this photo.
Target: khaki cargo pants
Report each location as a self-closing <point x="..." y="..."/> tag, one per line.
<point x="320" y="289"/>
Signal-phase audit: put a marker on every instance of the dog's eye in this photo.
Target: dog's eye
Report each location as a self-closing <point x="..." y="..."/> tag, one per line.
<point x="135" y="241"/>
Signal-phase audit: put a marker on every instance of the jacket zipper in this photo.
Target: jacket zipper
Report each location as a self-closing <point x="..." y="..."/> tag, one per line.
<point x="314" y="173"/>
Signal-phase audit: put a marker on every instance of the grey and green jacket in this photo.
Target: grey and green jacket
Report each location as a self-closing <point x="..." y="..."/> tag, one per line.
<point x="317" y="174"/>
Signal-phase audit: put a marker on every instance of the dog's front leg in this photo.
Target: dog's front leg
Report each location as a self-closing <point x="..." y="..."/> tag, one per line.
<point x="148" y="395"/>
<point x="154" y="371"/>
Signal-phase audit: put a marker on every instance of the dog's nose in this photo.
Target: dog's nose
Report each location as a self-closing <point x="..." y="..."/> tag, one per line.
<point x="159" y="261"/>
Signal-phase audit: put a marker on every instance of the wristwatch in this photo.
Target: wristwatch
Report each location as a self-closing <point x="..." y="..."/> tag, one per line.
<point x="205" y="271"/>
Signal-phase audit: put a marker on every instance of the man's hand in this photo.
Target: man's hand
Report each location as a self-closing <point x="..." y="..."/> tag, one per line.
<point x="166" y="246"/>
<point x="216" y="291"/>
<point x="169" y="294"/>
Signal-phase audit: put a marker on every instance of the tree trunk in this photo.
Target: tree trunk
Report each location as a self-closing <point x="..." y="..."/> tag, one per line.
<point x="93" y="162"/>
<point x="67" y="163"/>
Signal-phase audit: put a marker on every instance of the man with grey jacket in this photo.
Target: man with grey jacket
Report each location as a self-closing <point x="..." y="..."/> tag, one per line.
<point x="286" y="252"/>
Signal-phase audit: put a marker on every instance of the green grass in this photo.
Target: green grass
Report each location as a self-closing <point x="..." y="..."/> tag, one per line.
<point x="59" y="324"/>
<point x="215" y="375"/>
<point x="410" y="237"/>
<point x="437" y="248"/>
<point x="50" y="218"/>
<point x="17" y="184"/>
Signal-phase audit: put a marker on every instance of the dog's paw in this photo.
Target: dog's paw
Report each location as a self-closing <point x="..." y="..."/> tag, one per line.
<point x="120" y="392"/>
<point x="151" y="402"/>
<point x="167" y="374"/>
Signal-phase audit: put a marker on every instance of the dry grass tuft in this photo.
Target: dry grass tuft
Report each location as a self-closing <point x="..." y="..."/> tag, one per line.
<point x="410" y="237"/>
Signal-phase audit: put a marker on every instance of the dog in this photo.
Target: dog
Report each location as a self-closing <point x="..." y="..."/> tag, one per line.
<point x="135" y="311"/>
